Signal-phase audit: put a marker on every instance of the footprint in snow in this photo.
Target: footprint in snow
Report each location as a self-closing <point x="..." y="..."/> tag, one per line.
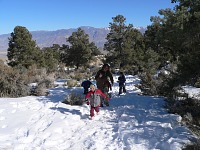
<point x="1" y="110"/>
<point x="62" y="117"/>
<point x="43" y="125"/>
<point x="21" y="132"/>
<point x="35" y="118"/>
<point x="13" y="111"/>
<point x="4" y="126"/>
<point x="2" y="118"/>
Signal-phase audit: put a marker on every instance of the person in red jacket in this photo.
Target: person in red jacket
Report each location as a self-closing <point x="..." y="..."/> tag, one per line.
<point x="93" y="97"/>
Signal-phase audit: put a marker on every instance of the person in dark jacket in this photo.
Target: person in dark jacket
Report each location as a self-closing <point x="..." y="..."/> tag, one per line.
<point x="93" y="97"/>
<point x="86" y="85"/>
<point x="102" y="78"/>
<point x="121" y="81"/>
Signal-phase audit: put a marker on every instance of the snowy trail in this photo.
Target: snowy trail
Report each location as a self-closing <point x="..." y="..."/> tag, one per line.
<point x="130" y="122"/>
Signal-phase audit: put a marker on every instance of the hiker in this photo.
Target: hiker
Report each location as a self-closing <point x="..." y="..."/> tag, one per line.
<point x="86" y="85"/>
<point x="121" y="81"/>
<point x="108" y="84"/>
<point x="103" y="77"/>
<point x="93" y="98"/>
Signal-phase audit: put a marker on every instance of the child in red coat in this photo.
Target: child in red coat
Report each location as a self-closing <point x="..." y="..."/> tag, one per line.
<point x="93" y="97"/>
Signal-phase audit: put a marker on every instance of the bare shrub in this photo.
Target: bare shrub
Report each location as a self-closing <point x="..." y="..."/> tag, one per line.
<point x="12" y="83"/>
<point x="74" y="99"/>
<point x="193" y="146"/>
<point x="78" y="76"/>
<point x="41" y="89"/>
<point x="61" y="72"/>
<point x="197" y="84"/>
<point x="71" y="83"/>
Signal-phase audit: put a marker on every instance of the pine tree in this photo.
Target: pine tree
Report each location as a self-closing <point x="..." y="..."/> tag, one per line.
<point x="51" y="58"/>
<point x="80" y="49"/>
<point x="22" y="50"/>
<point x="124" y="43"/>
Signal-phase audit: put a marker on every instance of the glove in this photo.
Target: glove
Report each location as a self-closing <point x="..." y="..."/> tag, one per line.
<point x="107" y="98"/>
<point x="100" y="75"/>
<point x="87" y="101"/>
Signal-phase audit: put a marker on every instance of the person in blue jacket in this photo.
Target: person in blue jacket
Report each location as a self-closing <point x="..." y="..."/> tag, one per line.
<point x="121" y="81"/>
<point x="86" y="85"/>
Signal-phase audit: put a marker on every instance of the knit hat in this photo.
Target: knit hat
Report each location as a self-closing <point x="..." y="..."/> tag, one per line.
<point x="92" y="86"/>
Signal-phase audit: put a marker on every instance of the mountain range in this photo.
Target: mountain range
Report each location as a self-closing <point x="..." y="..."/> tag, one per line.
<point x="48" y="38"/>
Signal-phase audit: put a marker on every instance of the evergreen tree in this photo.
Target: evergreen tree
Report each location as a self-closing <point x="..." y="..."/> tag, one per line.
<point x="124" y="43"/>
<point x="22" y="50"/>
<point x="80" y="50"/>
<point x="63" y="53"/>
<point x="51" y="58"/>
<point x="181" y="30"/>
<point x="175" y="37"/>
<point x="135" y="48"/>
<point x="189" y="65"/>
<point x="94" y="49"/>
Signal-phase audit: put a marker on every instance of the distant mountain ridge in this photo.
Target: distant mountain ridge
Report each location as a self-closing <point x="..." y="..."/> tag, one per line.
<point x="48" y="38"/>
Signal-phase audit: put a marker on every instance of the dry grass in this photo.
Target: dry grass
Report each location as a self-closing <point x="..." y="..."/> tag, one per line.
<point x="3" y="55"/>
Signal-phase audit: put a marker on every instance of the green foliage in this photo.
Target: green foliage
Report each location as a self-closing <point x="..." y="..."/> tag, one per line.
<point x="148" y="84"/>
<point x="94" y="49"/>
<point x="175" y="37"/>
<point x="80" y="51"/>
<point x="51" y="58"/>
<point x="22" y="49"/>
<point x="183" y="44"/>
<point x="124" y="44"/>
<point x="151" y="62"/>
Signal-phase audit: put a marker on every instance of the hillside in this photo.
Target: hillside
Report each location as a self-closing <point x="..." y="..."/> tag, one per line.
<point x="48" y="38"/>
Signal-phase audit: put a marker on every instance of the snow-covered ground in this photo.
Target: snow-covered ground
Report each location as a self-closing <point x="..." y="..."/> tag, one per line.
<point x="131" y="122"/>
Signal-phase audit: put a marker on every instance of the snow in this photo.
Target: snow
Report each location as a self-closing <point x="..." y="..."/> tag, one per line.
<point x="131" y="122"/>
<point x="192" y="91"/>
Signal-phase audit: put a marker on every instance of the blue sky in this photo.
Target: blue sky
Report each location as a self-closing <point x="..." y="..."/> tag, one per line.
<point x="63" y="14"/>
